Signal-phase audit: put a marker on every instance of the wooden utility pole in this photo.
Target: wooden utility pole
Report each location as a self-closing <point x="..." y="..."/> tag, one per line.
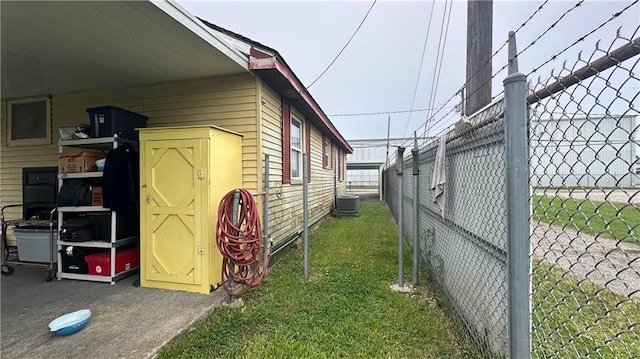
<point x="479" y="47"/>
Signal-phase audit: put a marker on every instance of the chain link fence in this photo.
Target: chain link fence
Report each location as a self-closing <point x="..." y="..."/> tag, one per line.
<point x="581" y="220"/>
<point x="464" y="245"/>
<point x="585" y="214"/>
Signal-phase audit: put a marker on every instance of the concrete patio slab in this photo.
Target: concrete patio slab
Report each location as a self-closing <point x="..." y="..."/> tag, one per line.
<point x="126" y="322"/>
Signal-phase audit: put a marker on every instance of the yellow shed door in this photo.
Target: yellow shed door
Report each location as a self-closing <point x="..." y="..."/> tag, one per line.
<point x="173" y="194"/>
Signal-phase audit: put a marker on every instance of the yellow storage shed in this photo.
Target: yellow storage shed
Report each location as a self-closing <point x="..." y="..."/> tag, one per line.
<point x="184" y="173"/>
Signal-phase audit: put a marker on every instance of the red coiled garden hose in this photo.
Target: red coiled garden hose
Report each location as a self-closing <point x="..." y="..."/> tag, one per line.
<point x="240" y="244"/>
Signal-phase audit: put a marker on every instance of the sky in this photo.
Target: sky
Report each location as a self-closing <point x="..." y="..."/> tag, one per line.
<point x="379" y="69"/>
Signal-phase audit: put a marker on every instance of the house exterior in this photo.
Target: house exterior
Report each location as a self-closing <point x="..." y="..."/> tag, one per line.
<point x="156" y="59"/>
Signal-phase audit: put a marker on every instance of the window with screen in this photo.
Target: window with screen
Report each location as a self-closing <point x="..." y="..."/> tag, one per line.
<point x="29" y="122"/>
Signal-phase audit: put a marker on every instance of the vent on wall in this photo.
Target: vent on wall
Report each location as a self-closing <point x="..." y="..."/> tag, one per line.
<point x="348" y="205"/>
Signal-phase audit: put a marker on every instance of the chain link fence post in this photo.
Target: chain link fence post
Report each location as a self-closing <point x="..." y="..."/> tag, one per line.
<point x="399" y="169"/>
<point x="415" y="156"/>
<point x="305" y="214"/>
<point x="516" y="153"/>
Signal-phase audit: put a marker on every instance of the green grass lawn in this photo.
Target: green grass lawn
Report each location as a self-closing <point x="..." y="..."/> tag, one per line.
<point x="345" y="310"/>
<point x="577" y="319"/>
<point x="608" y="219"/>
<point x="574" y="318"/>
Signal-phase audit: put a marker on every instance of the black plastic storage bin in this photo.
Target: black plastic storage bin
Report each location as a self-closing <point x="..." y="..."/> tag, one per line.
<point x="75" y="262"/>
<point x="127" y="225"/>
<point x="110" y="120"/>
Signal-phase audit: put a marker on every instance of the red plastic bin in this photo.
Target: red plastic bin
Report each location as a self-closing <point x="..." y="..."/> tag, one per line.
<point x="100" y="263"/>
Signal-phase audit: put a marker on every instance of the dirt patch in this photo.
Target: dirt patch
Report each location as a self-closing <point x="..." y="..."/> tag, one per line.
<point x="313" y="276"/>
<point x="606" y="262"/>
<point x="424" y="295"/>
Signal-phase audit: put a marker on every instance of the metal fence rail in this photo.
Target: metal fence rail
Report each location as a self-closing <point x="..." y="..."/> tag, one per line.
<point x="575" y="215"/>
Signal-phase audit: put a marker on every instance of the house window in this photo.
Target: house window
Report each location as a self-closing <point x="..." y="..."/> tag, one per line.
<point x="29" y="122"/>
<point x="326" y="153"/>
<point x="333" y="163"/>
<point x="340" y="166"/>
<point x="296" y="148"/>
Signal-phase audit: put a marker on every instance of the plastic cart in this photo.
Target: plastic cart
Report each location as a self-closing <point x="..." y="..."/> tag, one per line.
<point x="10" y="253"/>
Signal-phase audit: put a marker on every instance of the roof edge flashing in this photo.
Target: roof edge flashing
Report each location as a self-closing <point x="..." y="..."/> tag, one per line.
<point x="274" y="62"/>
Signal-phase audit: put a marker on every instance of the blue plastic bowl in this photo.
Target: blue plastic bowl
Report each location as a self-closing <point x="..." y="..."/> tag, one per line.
<point x="70" y="323"/>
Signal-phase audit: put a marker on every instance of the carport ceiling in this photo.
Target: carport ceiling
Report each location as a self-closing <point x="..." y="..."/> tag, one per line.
<point x="54" y="47"/>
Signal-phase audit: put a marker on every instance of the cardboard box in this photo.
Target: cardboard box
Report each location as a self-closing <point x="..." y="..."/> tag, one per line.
<point x="96" y="196"/>
<point x="80" y="160"/>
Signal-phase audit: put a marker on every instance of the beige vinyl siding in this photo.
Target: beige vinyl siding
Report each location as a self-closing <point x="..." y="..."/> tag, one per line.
<point x="285" y="201"/>
<point x="13" y="159"/>
<point x="228" y="101"/>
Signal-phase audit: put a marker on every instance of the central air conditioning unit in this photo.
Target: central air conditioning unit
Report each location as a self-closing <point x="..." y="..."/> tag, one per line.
<point x="348" y="205"/>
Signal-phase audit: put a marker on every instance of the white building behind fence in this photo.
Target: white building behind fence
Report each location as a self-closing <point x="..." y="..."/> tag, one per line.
<point x="369" y="151"/>
<point x="584" y="151"/>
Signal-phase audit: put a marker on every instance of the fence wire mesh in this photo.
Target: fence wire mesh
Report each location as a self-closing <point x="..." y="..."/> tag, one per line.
<point x="464" y="246"/>
<point x="584" y="212"/>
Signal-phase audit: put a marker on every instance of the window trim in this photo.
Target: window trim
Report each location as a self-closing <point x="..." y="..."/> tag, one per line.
<point x="299" y="150"/>
<point x="340" y="166"/>
<point x="29" y="141"/>
<point x="307" y="148"/>
<point x="326" y="153"/>
<point x="286" y="143"/>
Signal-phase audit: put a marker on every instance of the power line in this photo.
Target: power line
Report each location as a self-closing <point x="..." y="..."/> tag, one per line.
<point x="536" y="12"/>
<point x="374" y="93"/>
<point x="381" y="113"/>
<point x="439" y="63"/>
<point x="424" y="48"/>
<point x="613" y="16"/>
<point x="443" y="117"/>
<point x="345" y="45"/>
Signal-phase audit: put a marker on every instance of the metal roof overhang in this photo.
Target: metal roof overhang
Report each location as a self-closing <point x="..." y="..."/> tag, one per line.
<point x="364" y="165"/>
<point x="54" y="47"/>
<point x="278" y="75"/>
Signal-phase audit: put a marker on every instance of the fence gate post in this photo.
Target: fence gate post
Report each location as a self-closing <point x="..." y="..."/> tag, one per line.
<point x="305" y="214"/>
<point x="416" y="214"/>
<point x="399" y="169"/>
<point x="517" y="211"/>
<point x="265" y="213"/>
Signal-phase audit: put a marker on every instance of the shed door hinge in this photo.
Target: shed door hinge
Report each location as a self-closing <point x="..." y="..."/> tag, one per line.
<point x="200" y="174"/>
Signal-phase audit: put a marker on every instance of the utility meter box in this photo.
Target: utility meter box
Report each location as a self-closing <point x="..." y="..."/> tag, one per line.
<point x="184" y="173"/>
